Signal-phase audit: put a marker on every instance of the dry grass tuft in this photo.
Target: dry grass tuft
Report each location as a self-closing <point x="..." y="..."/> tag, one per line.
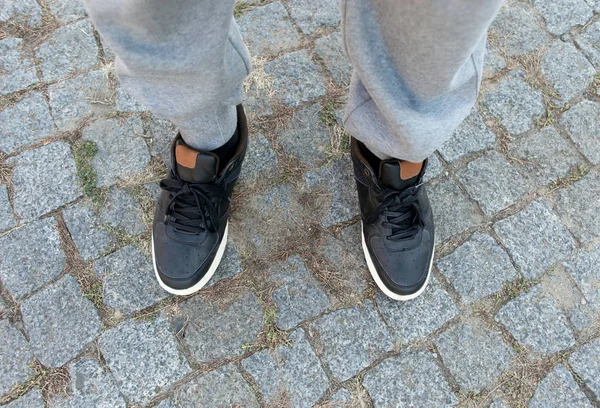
<point x="33" y="36"/>
<point x="155" y="172"/>
<point x="520" y="382"/>
<point x="91" y="286"/>
<point x="51" y="381"/>
<point x="281" y="400"/>
<point x="259" y="79"/>
<point x="5" y="170"/>
<point x="576" y="174"/>
<point x="531" y="64"/>
<point x="339" y="143"/>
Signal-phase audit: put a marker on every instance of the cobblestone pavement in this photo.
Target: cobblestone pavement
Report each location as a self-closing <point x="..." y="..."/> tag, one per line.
<point x="291" y="318"/>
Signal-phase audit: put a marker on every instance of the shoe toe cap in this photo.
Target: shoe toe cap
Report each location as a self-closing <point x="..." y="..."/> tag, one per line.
<point x="406" y="271"/>
<point x="181" y="265"/>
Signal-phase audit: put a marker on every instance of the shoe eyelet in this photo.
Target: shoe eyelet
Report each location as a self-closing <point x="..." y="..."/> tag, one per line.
<point x="366" y="172"/>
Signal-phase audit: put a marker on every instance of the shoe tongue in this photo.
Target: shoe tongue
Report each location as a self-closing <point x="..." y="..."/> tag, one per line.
<point x="390" y="174"/>
<point x="195" y="166"/>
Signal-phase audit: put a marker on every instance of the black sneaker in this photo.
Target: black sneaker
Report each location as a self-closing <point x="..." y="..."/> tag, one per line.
<point x="397" y="224"/>
<point x="189" y="234"/>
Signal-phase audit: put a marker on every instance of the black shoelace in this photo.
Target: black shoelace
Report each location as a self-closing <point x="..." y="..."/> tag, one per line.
<point x="401" y="211"/>
<point x="192" y="208"/>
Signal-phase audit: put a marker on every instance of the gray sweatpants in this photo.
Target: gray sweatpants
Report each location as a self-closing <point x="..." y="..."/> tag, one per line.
<point x="417" y="66"/>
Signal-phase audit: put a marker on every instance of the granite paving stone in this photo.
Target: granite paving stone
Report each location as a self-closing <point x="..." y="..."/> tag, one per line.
<point x="516" y="30"/>
<point x="494" y="62"/>
<point x="16" y="357"/>
<point x="153" y="190"/>
<point x="159" y="137"/>
<point x="310" y="15"/>
<point x="60" y="322"/>
<point x="230" y="263"/>
<point x="589" y="42"/>
<point x="536" y="321"/>
<point x="419" y="317"/>
<point x="151" y="342"/>
<point x="32" y="256"/>
<point x="67" y="11"/>
<point x="344" y="258"/>
<point x="258" y="100"/>
<point x="337" y="182"/>
<point x="260" y="163"/>
<point x="4" y="309"/>
<point x="294" y="371"/>
<point x="411" y="379"/>
<point x="216" y="329"/>
<point x="566" y="70"/>
<point x="595" y="4"/>
<point x="121" y="150"/>
<point x="268" y="30"/>
<point x="559" y="389"/>
<point x="434" y="168"/>
<point x="583" y="268"/>
<point x="91" y="238"/>
<point x="128" y="281"/>
<point x="561" y="15"/>
<point x="586" y="364"/>
<point x="340" y="399"/>
<point x="26" y="11"/>
<point x="478" y="268"/>
<point x="474" y="354"/>
<point x="298" y="295"/>
<point x="127" y="103"/>
<point x="351" y="339"/>
<point x="71" y="48"/>
<point x="7" y="218"/>
<point x="17" y="71"/>
<point x="223" y="387"/>
<point x="471" y="136"/>
<point x="330" y="50"/>
<point x="563" y="288"/>
<point x="492" y="182"/>
<point x="272" y="218"/>
<point x="72" y="100"/>
<point x="296" y="79"/>
<point x="543" y="156"/>
<point x="167" y="403"/>
<point x="91" y="386"/>
<point x="453" y="213"/>
<point x="122" y="211"/>
<point x="43" y="180"/>
<point x="582" y="123"/>
<point x="578" y="206"/>
<point x="306" y="137"/>
<point x="535" y="238"/>
<point x="25" y="123"/>
<point x="499" y="403"/>
<point x="514" y="102"/>
<point x="32" y="399"/>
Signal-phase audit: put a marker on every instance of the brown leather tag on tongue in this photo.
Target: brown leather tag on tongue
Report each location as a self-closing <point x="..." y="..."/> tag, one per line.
<point x="185" y="156"/>
<point x="409" y="170"/>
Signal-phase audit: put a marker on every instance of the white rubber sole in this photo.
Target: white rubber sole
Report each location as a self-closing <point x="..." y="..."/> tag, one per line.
<point x="380" y="283"/>
<point x="205" y="278"/>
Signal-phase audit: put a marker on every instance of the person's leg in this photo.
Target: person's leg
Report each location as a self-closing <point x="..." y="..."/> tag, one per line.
<point x="183" y="59"/>
<point x="417" y="69"/>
